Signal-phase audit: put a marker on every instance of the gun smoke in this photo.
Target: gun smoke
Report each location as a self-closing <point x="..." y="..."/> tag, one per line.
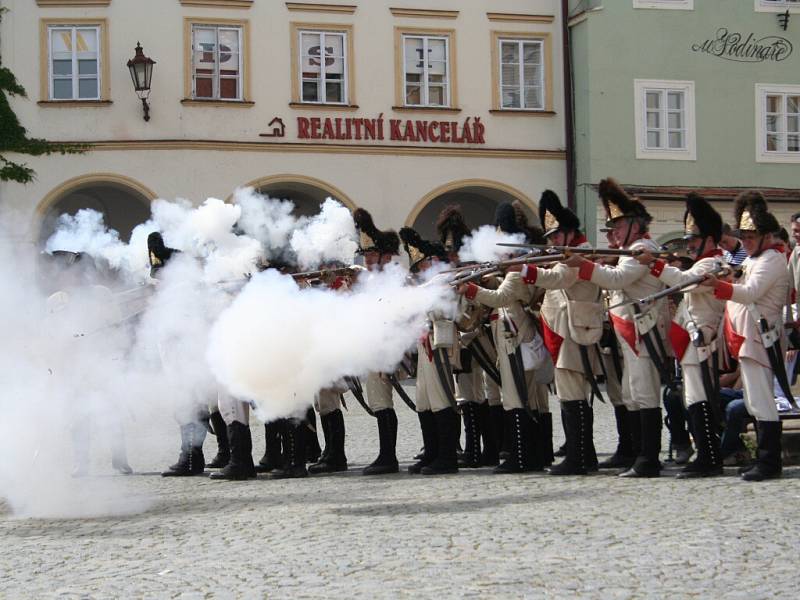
<point x="95" y="344"/>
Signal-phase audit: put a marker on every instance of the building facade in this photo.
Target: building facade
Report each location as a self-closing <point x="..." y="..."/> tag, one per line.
<point x="678" y="95"/>
<point x="398" y="106"/>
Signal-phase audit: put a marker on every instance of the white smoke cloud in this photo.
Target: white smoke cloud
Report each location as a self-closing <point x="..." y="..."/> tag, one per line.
<point x="265" y="219"/>
<point x="481" y="244"/>
<point x="86" y="232"/>
<point x="327" y="236"/>
<point x="113" y="346"/>
<point x="311" y="338"/>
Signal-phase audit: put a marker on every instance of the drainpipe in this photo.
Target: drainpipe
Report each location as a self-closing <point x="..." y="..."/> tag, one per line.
<point x="569" y="125"/>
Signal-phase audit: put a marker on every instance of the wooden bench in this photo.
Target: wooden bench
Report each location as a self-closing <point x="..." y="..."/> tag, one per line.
<point x="790" y="440"/>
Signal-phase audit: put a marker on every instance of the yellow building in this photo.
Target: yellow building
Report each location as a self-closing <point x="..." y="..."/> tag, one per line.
<point x="298" y="99"/>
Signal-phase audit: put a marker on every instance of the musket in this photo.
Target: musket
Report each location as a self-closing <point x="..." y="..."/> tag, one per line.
<point x="341" y="271"/>
<point x="498" y="267"/>
<point x="483" y="265"/>
<point x="718" y="269"/>
<point x="569" y="250"/>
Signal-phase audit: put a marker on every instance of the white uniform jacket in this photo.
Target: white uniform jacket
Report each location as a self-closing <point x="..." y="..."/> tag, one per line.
<point x="629" y="280"/>
<point x="699" y="305"/>
<point x="764" y="283"/>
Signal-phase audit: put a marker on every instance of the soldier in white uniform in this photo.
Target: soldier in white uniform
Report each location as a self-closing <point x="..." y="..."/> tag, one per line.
<point x="236" y="415"/>
<point x="378" y="248"/>
<point x="629" y="280"/>
<point x="793" y="312"/>
<point x="469" y="377"/>
<point x="436" y="404"/>
<point x="523" y="398"/>
<point x="753" y="324"/>
<point x="694" y="331"/>
<point x="623" y="456"/>
<point x="572" y="323"/>
<point x="329" y="405"/>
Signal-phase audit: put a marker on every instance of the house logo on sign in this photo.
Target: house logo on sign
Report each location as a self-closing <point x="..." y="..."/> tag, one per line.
<point x="278" y="129"/>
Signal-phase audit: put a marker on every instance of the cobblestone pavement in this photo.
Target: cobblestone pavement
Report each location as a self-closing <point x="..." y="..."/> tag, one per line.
<point x="468" y="535"/>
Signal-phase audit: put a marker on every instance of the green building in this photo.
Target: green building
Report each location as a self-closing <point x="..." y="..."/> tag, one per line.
<point x="672" y="96"/>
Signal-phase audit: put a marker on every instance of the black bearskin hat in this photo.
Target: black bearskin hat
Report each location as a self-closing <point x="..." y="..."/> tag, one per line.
<point x="505" y="218"/>
<point x="619" y="204"/>
<point x="372" y="239"/>
<point x="159" y="252"/>
<point x="701" y="219"/>
<point x="418" y="249"/>
<point x="751" y="213"/>
<point x="554" y="216"/>
<point x="452" y="228"/>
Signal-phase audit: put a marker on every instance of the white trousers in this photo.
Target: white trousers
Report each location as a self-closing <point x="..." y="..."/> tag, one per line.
<point x="613" y="384"/>
<point x="641" y="383"/>
<point x="757" y="387"/>
<point x="327" y="401"/>
<point x="232" y="409"/>
<point x="379" y="392"/>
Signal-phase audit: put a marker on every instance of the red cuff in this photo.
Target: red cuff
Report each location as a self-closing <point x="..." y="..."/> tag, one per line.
<point x="723" y="291"/>
<point x="585" y="271"/>
<point x="531" y="273"/>
<point x="472" y="291"/>
<point x="657" y="267"/>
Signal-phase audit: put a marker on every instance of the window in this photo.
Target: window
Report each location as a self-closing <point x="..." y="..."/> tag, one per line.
<point x="74" y="64"/>
<point x="426" y="71"/>
<point x="778" y="123"/>
<point x="522" y="74"/>
<point x="777" y="5"/>
<point x="666" y="4"/>
<point x="425" y="74"/>
<point x="216" y="62"/>
<point x="323" y="67"/>
<point x="665" y="122"/>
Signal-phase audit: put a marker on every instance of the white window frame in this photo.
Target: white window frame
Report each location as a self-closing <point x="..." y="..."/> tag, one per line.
<point x="75" y="74"/>
<point x="345" y="58"/>
<point x="776" y="7"/>
<point x="641" y="86"/>
<point x="424" y="97"/>
<point x="542" y="83"/>
<point x="762" y="155"/>
<point x="215" y="84"/>
<point x="665" y="4"/>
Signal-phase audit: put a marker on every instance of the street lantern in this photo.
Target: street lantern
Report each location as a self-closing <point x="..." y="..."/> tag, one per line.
<point x="141" y="68"/>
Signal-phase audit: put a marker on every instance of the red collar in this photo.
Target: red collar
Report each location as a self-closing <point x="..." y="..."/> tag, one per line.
<point x="577" y="241"/>
<point x="711" y="253"/>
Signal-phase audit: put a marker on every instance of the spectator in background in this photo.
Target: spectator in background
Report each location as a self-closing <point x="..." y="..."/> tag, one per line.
<point x="734" y="253"/>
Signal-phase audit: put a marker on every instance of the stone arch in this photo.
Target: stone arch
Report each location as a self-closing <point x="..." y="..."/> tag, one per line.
<point x="478" y="199"/>
<point x="123" y="201"/>
<point x="307" y="193"/>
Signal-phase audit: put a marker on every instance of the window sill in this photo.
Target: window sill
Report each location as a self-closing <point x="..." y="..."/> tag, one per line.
<point x="523" y="113"/>
<point x="227" y="103"/>
<point x="445" y="109"/>
<point x="322" y="105"/>
<point x="786" y="158"/>
<point x="74" y="103"/>
<point x="687" y="155"/>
